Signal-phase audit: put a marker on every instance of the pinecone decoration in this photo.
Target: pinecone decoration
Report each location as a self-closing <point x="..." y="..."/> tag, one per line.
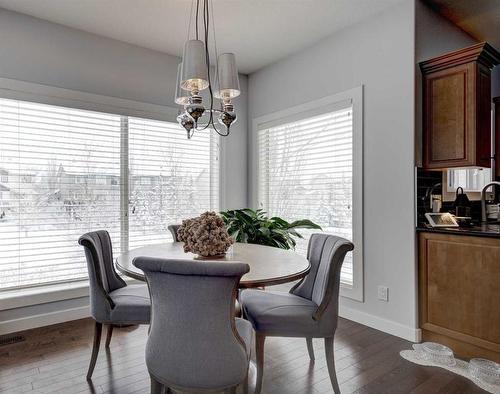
<point x="205" y="235"/>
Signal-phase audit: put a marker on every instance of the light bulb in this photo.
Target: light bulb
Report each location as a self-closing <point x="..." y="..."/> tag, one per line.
<point x="181" y="96"/>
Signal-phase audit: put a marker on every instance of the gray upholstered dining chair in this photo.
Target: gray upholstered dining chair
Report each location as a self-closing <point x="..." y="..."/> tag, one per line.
<point x="112" y="302"/>
<point x="173" y="230"/>
<point x="195" y="342"/>
<point x="309" y="310"/>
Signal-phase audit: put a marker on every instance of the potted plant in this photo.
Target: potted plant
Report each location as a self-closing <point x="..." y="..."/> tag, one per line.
<point x="255" y="227"/>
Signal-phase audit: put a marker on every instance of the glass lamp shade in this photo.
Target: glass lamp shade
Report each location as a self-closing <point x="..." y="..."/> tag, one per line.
<point x="194" y="76"/>
<point x="181" y="96"/>
<point x="229" y="84"/>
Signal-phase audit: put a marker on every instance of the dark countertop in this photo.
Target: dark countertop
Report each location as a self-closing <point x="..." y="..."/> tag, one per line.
<point x="486" y="230"/>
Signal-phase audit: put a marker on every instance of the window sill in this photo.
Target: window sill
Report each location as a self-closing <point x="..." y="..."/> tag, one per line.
<point x="12" y="299"/>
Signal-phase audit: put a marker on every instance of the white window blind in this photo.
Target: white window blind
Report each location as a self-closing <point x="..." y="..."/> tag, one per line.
<point x="61" y="179"/>
<point x="471" y="180"/>
<point x="171" y="178"/>
<point x="64" y="172"/>
<point x="306" y="172"/>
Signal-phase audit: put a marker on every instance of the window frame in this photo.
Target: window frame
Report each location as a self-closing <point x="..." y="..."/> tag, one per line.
<point x="42" y="94"/>
<point x="353" y="97"/>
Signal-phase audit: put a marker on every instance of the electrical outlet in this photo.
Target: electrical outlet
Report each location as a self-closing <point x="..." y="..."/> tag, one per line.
<point x="383" y="293"/>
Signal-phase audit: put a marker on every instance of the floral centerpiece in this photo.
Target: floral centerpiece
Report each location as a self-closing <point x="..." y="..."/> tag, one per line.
<point x="205" y="235"/>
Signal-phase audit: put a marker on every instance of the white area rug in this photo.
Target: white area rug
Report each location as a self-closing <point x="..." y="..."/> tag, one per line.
<point x="460" y="368"/>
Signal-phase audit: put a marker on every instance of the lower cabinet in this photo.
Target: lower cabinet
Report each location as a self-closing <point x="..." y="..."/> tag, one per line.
<point x="459" y="293"/>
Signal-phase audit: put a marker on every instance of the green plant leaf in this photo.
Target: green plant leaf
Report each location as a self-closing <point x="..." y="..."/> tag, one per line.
<point x="304" y="223"/>
<point x="254" y="226"/>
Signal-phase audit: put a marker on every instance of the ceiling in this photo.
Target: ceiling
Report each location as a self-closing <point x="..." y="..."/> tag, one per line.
<point x="259" y="32"/>
<point x="479" y="18"/>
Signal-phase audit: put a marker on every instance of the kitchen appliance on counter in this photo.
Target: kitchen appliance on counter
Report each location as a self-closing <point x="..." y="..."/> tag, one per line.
<point x="462" y="203"/>
<point x="493" y="211"/>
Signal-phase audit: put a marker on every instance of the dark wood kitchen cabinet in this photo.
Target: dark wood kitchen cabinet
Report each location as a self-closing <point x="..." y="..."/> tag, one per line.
<point x="459" y="293"/>
<point x="496" y="103"/>
<point x="457" y="108"/>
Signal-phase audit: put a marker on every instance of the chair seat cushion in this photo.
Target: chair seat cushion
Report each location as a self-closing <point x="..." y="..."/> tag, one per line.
<point x="132" y="305"/>
<point x="245" y="330"/>
<point x="279" y="313"/>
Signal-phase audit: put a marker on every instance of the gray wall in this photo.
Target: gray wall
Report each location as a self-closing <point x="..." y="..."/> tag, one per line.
<point x="379" y="54"/>
<point x="41" y="52"/>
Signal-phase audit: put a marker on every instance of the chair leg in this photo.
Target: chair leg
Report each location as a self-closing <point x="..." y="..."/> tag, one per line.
<point x="156" y="387"/>
<point x="259" y="355"/>
<point x="95" y="349"/>
<point x="108" y="336"/>
<point x="237" y="309"/>
<point x="310" y="348"/>
<point x="330" y="361"/>
<point x="245" y="385"/>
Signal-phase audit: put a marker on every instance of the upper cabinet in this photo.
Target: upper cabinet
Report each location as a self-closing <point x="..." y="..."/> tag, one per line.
<point x="457" y="108"/>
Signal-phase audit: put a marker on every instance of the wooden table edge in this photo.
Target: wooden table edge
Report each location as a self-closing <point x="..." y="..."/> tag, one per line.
<point x="243" y="284"/>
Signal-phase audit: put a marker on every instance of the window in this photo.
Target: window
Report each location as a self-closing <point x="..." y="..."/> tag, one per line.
<point x="171" y="182"/>
<point x="471" y="180"/>
<point x="308" y="162"/>
<point x="68" y="173"/>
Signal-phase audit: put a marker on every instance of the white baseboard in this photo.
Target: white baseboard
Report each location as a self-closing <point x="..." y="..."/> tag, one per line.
<point x="46" y="319"/>
<point x="391" y="327"/>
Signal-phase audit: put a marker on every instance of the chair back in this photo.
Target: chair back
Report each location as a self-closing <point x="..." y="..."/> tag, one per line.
<point x="326" y="254"/>
<point x="173" y="230"/>
<point x="193" y="343"/>
<point x="103" y="278"/>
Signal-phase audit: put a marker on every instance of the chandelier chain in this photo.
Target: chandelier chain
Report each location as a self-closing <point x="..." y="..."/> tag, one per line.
<point x="215" y="46"/>
<point x="190" y="19"/>
<point x="197" y="10"/>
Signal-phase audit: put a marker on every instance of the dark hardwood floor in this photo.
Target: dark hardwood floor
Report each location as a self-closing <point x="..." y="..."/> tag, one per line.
<point x="54" y="359"/>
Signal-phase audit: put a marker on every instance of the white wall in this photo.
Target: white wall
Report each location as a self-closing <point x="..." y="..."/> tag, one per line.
<point x="377" y="53"/>
<point x="45" y="53"/>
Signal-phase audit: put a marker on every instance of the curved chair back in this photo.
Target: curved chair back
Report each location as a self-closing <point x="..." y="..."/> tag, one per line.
<point x="193" y="343"/>
<point x="102" y="275"/>
<point x="173" y="230"/>
<point x="326" y="254"/>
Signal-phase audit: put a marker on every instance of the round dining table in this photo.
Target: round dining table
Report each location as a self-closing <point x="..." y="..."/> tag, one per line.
<point x="268" y="265"/>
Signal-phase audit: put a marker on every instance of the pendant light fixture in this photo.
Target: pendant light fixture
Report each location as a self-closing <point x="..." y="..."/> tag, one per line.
<point x="193" y="76"/>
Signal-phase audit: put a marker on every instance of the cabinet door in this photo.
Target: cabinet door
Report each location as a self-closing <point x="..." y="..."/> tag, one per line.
<point x="449" y="117"/>
<point x="496" y="101"/>
<point x="460" y="287"/>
